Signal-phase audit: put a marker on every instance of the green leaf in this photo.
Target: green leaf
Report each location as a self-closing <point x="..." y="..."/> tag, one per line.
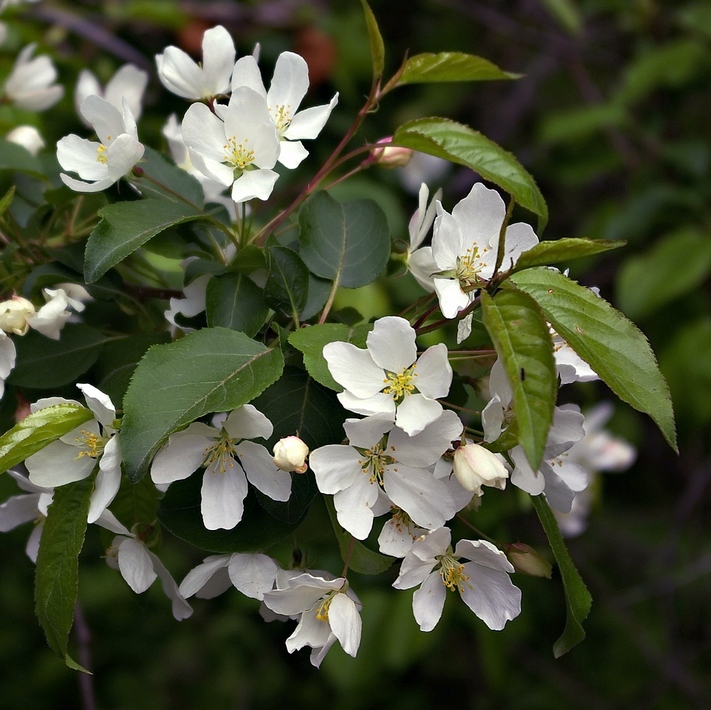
<point x="126" y="226"/>
<point x="577" y="124"/>
<point x="57" y="573"/>
<point x="234" y="301"/>
<point x="523" y="342"/>
<point x="6" y="201"/>
<point x="16" y="158"/>
<point x="210" y="370"/>
<point x="552" y="252"/>
<point x="39" y="429"/>
<point x="450" y="66"/>
<point x="118" y="361"/>
<point x="310" y="342"/>
<point x="465" y="146"/>
<point x="168" y="182"/>
<point x="377" y="48"/>
<point x="360" y="558"/>
<point x="577" y="597"/>
<point x="319" y="291"/>
<point x="44" y="363"/>
<point x="287" y="283"/>
<point x="673" y="267"/>
<point x="612" y="345"/>
<point x="346" y="243"/>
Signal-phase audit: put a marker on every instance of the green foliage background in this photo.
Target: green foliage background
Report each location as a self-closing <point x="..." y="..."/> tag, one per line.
<point x="612" y="118"/>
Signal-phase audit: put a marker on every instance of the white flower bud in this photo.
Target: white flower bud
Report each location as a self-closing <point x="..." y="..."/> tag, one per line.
<point x="391" y="156"/>
<point x="13" y="315"/>
<point x="28" y="137"/>
<point x="290" y="454"/>
<point x="475" y="466"/>
<point x="527" y="560"/>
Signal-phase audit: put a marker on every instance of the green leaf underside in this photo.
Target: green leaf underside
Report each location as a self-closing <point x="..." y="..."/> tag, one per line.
<point x="16" y="158"/>
<point x="567" y="249"/>
<point x="57" y="572"/>
<point x="43" y="363"/>
<point x="577" y="597"/>
<point x="234" y="301"/>
<point x="210" y="370"/>
<point x="346" y="243"/>
<point x="450" y="66"/>
<point x="126" y="226"/>
<point x="258" y="530"/>
<point x="360" y="558"/>
<point x="287" y="285"/>
<point x="460" y="144"/>
<point x="522" y="341"/>
<point x="39" y="429"/>
<point x="377" y="47"/>
<point x="310" y="341"/>
<point x="176" y="184"/>
<point x="610" y="343"/>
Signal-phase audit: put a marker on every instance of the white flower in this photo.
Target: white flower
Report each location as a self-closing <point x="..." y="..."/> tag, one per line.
<point x="498" y="412"/>
<point x="420" y="261"/>
<point x="181" y="75"/>
<point x="465" y="244"/>
<point x="129" y="83"/>
<point x="388" y="377"/>
<point x="107" y="161"/>
<point x="327" y="609"/>
<point x="398" y="534"/>
<point x="570" y="366"/>
<point x="253" y="574"/>
<point x="173" y="132"/>
<point x="28" y="137"/>
<point x="558" y="476"/>
<point x="475" y="466"/>
<point x="290" y="454"/>
<point x="139" y="566"/>
<point x="31" y="82"/>
<point x="288" y="88"/>
<point x="483" y="582"/>
<point x="229" y="459"/>
<point x="192" y="304"/>
<point x="14" y="313"/>
<point x="382" y="460"/>
<point x="50" y="319"/>
<point x="7" y="359"/>
<point x="31" y="506"/>
<point x="73" y="456"/>
<point x="237" y="145"/>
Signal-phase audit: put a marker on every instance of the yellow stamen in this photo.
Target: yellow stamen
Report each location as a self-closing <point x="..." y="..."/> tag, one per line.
<point x="282" y="118"/>
<point x="101" y="156"/>
<point x="452" y="573"/>
<point x="399" y="385"/>
<point x="94" y="444"/>
<point x="238" y="154"/>
<point x="221" y="454"/>
<point x="468" y="267"/>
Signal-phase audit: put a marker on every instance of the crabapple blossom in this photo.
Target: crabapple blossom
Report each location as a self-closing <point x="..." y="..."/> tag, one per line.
<point x="74" y="456"/>
<point x="382" y="462"/>
<point x="7" y="359"/>
<point x="30" y="85"/>
<point x="398" y="534"/>
<point x="129" y="83"/>
<point x="388" y="377"/>
<point x="14" y="313"/>
<point x="327" y="610"/>
<point x="290" y="454"/>
<point x="290" y="83"/>
<point x="229" y="459"/>
<point x="28" y="137"/>
<point x="465" y="245"/>
<point x="475" y="466"/>
<point x="104" y="163"/>
<point x="238" y="145"/>
<point x="483" y="581"/>
<point x="420" y="261"/>
<point x="184" y="77"/>
<point x="51" y="317"/>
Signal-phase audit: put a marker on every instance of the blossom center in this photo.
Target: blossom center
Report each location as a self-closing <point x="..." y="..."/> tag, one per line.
<point x="238" y="154"/>
<point x="400" y="384"/>
<point x="452" y="573"/>
<point x="101" y="156"/>
<point x="322" y="610"/>
<point x="221" y="455"/>
<point x="468" y="267"/>
<point x="93" y="444"/>
<point x="374" y="462"/>
<point x="282" y="118"/>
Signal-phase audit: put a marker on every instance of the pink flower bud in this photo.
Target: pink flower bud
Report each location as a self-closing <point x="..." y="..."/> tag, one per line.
<point x="391" y="156"/>
<point x="290" y="454"/>
<point x="475" y="466"/>
<point x="527" y="560"/>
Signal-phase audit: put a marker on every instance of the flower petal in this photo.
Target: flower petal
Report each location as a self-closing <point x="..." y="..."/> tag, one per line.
<point x="391" y="344"/>
<point x="252" y="574"/>
<point x="428" y="602"/>
<point x="222" y="502"/>
<point x="262" y="472"/>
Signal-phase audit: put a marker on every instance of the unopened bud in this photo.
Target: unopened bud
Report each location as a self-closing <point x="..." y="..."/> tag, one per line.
<point x="527" y="560"/>
<point x="290" y="454"/>
<point x="13" y="315"/>
<point x="391" y="156"/>
<point x="475" y="466"/>
<point x="28" y="137"/>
